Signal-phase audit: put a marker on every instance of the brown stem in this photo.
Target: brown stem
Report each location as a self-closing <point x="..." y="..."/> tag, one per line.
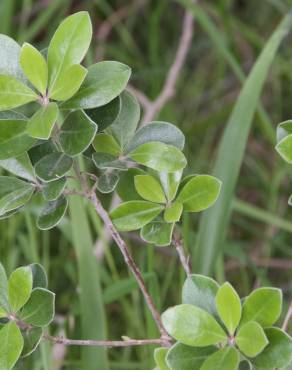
<point x="105" y="343"/>
<point x="130" y="262"/>
<point x="176" y="240"/>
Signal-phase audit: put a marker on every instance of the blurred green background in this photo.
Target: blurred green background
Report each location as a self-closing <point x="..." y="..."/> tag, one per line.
<point x="144" y="34"/>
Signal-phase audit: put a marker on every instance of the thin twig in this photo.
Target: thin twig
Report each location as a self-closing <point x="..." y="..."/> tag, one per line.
<point x="104" y="343"/>
<point x="181" y="253"/>
<point x="168" y="90"/>
<point x="287" y="318"/>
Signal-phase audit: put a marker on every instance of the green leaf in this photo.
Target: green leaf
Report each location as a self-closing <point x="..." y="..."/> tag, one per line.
<point x="52" y="190"/>
<point x="106" y="115"/>
<point x="245" y="365"/>
<point x="170" y="183"/>
<point x="40" y="309"/>
<point x="104" y="161"/>
<point x="31" y="339"/>
<point x="284" y="148"/>
<point x="104" y="82"/>
<point x="104" y="143"/>
<point x="11" y="345"/>
<point x="14" y="193"/>
<point x="159" y="156"/>
<point x="214" y="222"/>
<point x="149" y="188"/>
<point x="4" y="305"/>
<point x="199" y="193"/>
<point x="77" y="133"/>
<point x="108" y="181"/>
<point x="192" y="326"/>
<point x="39" y="276"/>
<point x="20" y="166"/>
<point x="14" y="140"/>
<point x="226" y="358"/>
<point x="68" y="45"/>
<point x="263" y="305"/>
<point x="134" y="214"/>
<point x="126" y="187"/>
<point x="53" y="166"/>
<point x="41" y="124"/>
<point x="19" y="288"/>
<point x="14" y="94"/>
<point x="9" y="58"/>
<point x="278" y="353"/>
<point x="41" y="149"/>
<point x="125" y="125"/>
<point x="229" y="307"/>
<point x="66" y="86"/>
<point x="200" y="291"/>
<point x="181" y="357"/>
<point x="159" y="357"/>
<point x="158" y="233"/>
<point x="52" y="213"/>
<point x="251" y="339"/>
<point x="284" y="129"/>
<point x="35" y="67"/>
<point x="173" y="212"/>
<point x="163" y="132"/>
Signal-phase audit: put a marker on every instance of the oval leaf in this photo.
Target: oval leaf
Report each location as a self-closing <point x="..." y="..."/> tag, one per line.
<point x="284" y="148"/>
<point x="31" y="339"/>
<point x="159" y="357"/>
<point x="158" y="233"/>
<point x="181" y="357"/>
<point x="149" y="188"/>
<point x="263" y="305"/>
<point x="39" y="276"/>
<point x="173" y="212"/>
<point x="108" y="181"/>
<point x="20" y="166"/>
<point x="104" y="161"/>
<point x="11" y="345"/>
<point x="53" y="166"/>
<point x="40" y="309"/>
<point x="19" y="288"/>
<point x="159" y="156"/>
<point x="251" y="339"/>
<point x="226" y="358"/>
<point x="14" y="94"/>
<point x="104" y="143"/>
<point x="134" y="214"/>
<point x="53" y="189"/>
<point x="229" y="307"/>
<point x="77" y="133"/>
<point x="104" y="82"/>
<point x="192" y="326"/>
<point x="35" y="67"/>
<point x="52" y="213"/>
<point x="41" y="124"/>
<point x="199" y="193"/>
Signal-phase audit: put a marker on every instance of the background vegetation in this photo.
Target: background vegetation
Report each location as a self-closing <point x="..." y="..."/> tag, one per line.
<point x="145" y="34"/>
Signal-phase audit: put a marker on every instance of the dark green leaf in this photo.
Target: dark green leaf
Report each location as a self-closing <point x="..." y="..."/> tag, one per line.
<point x="200" y="291"/>
<point x="20" y="166"/>
<point x="107" y="182"/>
<point x="157" y="131"/>
<point x="126" y="187"/>
<point x="53" y="166"/>
<point x="199" y="193"/>
<point x="39" y="276"/>
<point x="106" y="115"/>
<point x="104" y="161"/>
<point x="40" y="150"/>
<point x="52" y="213"/>
<point x="278" y="352"/>
<point x="32" y="338"/>
<point x="193" y="326"/>
<point x="158" y="233"/>
<point x="159" y="156"/>
<point x="181" y="357"/>
<point x="104" y="82"/>
<point x="41" y="124"/>
<point x="40" y="309"/>
<point x="14" y="94"/>
<point x="11" y="345"/>
<point x="77" y="133"/>
<point x="14" y="140"/>
<point x="133" y="215"/>
<point x="53" y="189"/>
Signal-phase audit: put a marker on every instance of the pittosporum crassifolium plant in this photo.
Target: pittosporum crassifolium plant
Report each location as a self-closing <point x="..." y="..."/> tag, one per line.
<point x="216" y="330"/>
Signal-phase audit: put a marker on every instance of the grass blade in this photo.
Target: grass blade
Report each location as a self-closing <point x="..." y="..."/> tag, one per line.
<point x="215" y="221"/>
